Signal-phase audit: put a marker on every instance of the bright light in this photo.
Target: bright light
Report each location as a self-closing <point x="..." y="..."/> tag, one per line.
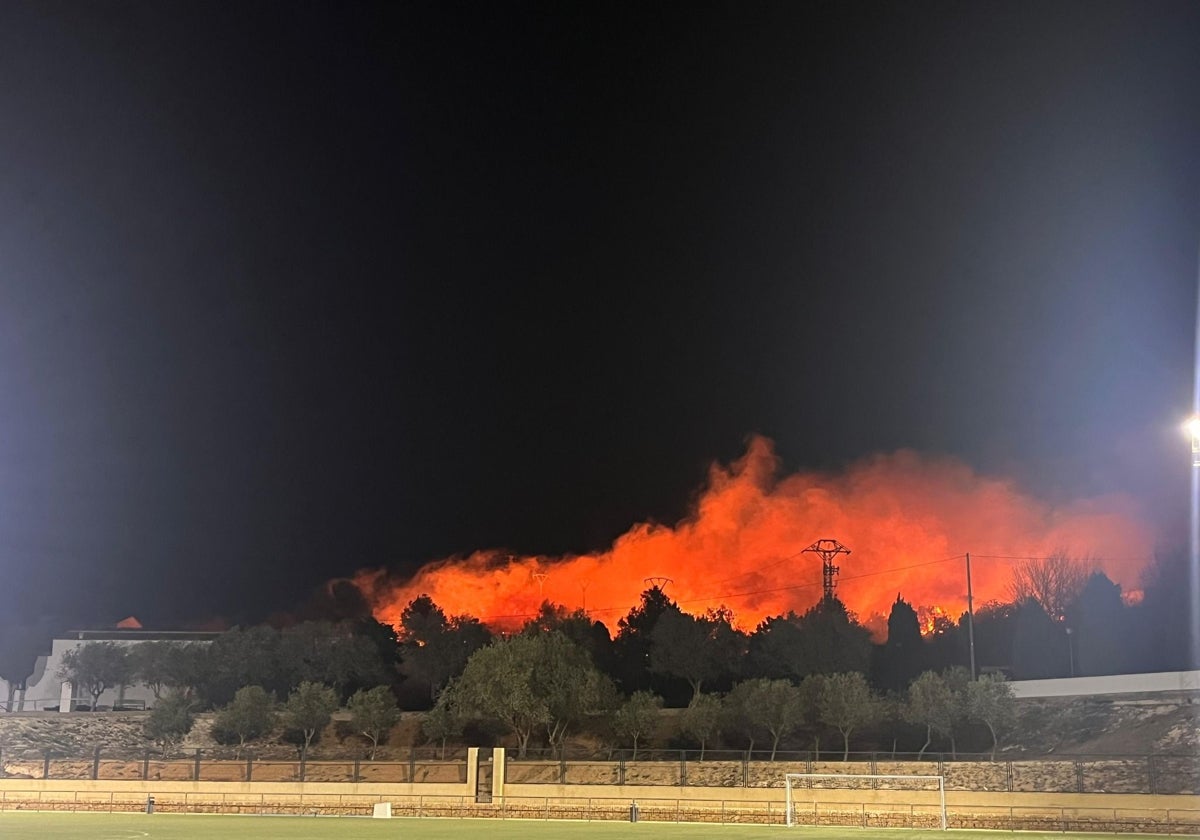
<point x="1192" y="427"/>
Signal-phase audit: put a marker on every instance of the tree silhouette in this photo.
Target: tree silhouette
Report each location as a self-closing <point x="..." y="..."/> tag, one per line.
<point x="903" y="654"/>
<point x="1054" y="582"/>
<point x="633" y="643"/>
<point x="1100" y="632"/>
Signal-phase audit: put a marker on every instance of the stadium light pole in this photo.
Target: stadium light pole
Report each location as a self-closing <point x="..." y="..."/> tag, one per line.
<point x="1192" y="428"/>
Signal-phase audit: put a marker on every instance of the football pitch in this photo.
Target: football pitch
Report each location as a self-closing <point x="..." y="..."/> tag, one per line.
<point x="85" y="826"/>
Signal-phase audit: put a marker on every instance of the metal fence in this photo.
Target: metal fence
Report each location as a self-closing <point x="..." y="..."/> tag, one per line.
<point x="1152" y="774"/>
<point x="202" y="766"/>
<point x="897" y="814"/>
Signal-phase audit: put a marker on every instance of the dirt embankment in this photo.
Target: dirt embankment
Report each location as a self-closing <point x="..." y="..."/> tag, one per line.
<point x="1125" y="726"/>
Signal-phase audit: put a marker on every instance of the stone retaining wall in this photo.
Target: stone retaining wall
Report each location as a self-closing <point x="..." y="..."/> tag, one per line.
<point x="1150" y="775"/>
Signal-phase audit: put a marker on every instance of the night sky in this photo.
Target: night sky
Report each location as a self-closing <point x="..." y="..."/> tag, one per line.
<point x="288" y="290"/>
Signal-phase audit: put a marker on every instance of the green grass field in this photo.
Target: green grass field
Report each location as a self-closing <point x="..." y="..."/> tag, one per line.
<point x="84" y="826"/>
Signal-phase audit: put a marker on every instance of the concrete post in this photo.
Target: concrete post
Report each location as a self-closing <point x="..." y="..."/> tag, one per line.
<point x="498" y="774"/>
<point x="472" y="772"/>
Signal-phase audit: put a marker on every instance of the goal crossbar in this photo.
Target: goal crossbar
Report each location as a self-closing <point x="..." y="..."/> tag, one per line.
<point x="789" y="778"/>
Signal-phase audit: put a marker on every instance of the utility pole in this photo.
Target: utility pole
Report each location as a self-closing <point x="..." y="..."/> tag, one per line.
<point x="970" y="617"/>
<point x="657" y="582"/>
<point x="828" y="549"/>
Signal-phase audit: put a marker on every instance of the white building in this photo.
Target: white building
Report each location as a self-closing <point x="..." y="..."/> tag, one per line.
<point x="44" y="690"/>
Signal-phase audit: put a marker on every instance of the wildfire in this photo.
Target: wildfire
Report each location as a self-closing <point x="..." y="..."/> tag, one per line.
<point x="908" y="518"/>
<point x="933" y="620"/>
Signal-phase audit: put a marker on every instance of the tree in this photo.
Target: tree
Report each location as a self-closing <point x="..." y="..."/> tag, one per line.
<point x="847" y="704"/>
<point x="1054" y="582"/>
<point x="241" y="657"/>
<point x="152" y="664"/>
<point x="929" y="704"/>
<point x="737" y="713"/>
<point x="990" y="699"/>
<point x="318" y="651"/>
<point x="773" y="705"/>
<point x="250" y="715"/>
<point x="308" y="710"/>
<point x="957" y="679"/>
<point x="1039" y="643"/>
<point x="696" y="649"/>
<point x="373" y="712"/>
<point x="442" y="721"/>
<point x="577" y="626"/>
<point x="386" y="643"/>
<point x="169" y="721"/>
<point x="1102" y="636"/>
<point x="1164" y="630"/>
<point x="776" y="649"/>
<point x="435" y="648"/>
<point x="95" y="667"/>
<point x="903" y="653"/>
<point x="632" y="645"/>
<point x="832" y="641"/>
<point x="570" y="684"/>
<point x="995" y="625"/>
<point x="188" y="670"/>
<point x="636" y="717"/>
<point x="21" y="642"/>
<point x="702" y="719"/>
<point x="812" y="688"/>
<point x="527" y="682"/>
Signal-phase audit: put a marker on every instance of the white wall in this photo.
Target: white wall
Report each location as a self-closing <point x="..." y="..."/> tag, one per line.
<point x="1115" y="684"/>
<point x="44" y="688"/>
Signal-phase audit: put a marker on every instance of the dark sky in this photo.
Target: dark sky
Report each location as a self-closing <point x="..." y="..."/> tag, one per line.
<point x="291" y="289"/>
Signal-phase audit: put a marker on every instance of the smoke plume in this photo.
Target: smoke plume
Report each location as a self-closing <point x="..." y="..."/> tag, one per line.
<point x="908" y="520"/>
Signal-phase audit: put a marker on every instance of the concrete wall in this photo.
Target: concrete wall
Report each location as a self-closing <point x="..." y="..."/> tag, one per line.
<point x="1169" y="681"/>
<point x="876" y="808"/>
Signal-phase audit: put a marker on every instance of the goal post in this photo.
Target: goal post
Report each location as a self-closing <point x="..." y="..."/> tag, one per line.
<point x="885" y="799"/>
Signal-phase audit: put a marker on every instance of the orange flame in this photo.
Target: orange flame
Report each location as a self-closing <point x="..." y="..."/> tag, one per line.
<point x="907" y="518"/>
<point x="933" y="620"/>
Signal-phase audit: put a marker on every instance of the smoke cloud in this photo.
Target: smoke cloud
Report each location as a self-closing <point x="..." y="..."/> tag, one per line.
<point x="908" y="520"/>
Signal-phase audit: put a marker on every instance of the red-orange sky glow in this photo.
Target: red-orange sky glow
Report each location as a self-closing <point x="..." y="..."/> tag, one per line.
<point x="907" y="518"/>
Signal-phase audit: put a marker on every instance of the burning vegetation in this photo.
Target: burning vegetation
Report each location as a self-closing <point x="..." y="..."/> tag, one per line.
<point x="909" y="520"/>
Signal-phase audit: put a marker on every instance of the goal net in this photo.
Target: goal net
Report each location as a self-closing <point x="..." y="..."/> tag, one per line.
<point x="883" y="801"/>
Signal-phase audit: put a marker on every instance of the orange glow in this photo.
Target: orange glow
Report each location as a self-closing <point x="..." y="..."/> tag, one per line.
<point x="933" y="620"/>
<point x="901" y="514"/>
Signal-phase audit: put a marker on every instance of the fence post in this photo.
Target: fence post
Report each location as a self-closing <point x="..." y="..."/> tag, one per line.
<point x="621" y="772"/>
<point x="46" y="765"/>
<point x="412" y="765"/>
<point x="196" y="766"/>
<point x="1078" y="776"/>
<point x="249" y="767"/>
<point x="562" y="769"/>
<point x="357" y="765"/>
<point x="95" y="762"/>
<point x="682" y="768"/>
<point x="303" y="761"/>
<point x="746" y="768"/>
<point x="1010" y="776"/>
<point x="145" y="765"/>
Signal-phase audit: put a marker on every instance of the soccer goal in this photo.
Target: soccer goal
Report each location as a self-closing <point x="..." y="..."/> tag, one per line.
<point x="866" y="800"/>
